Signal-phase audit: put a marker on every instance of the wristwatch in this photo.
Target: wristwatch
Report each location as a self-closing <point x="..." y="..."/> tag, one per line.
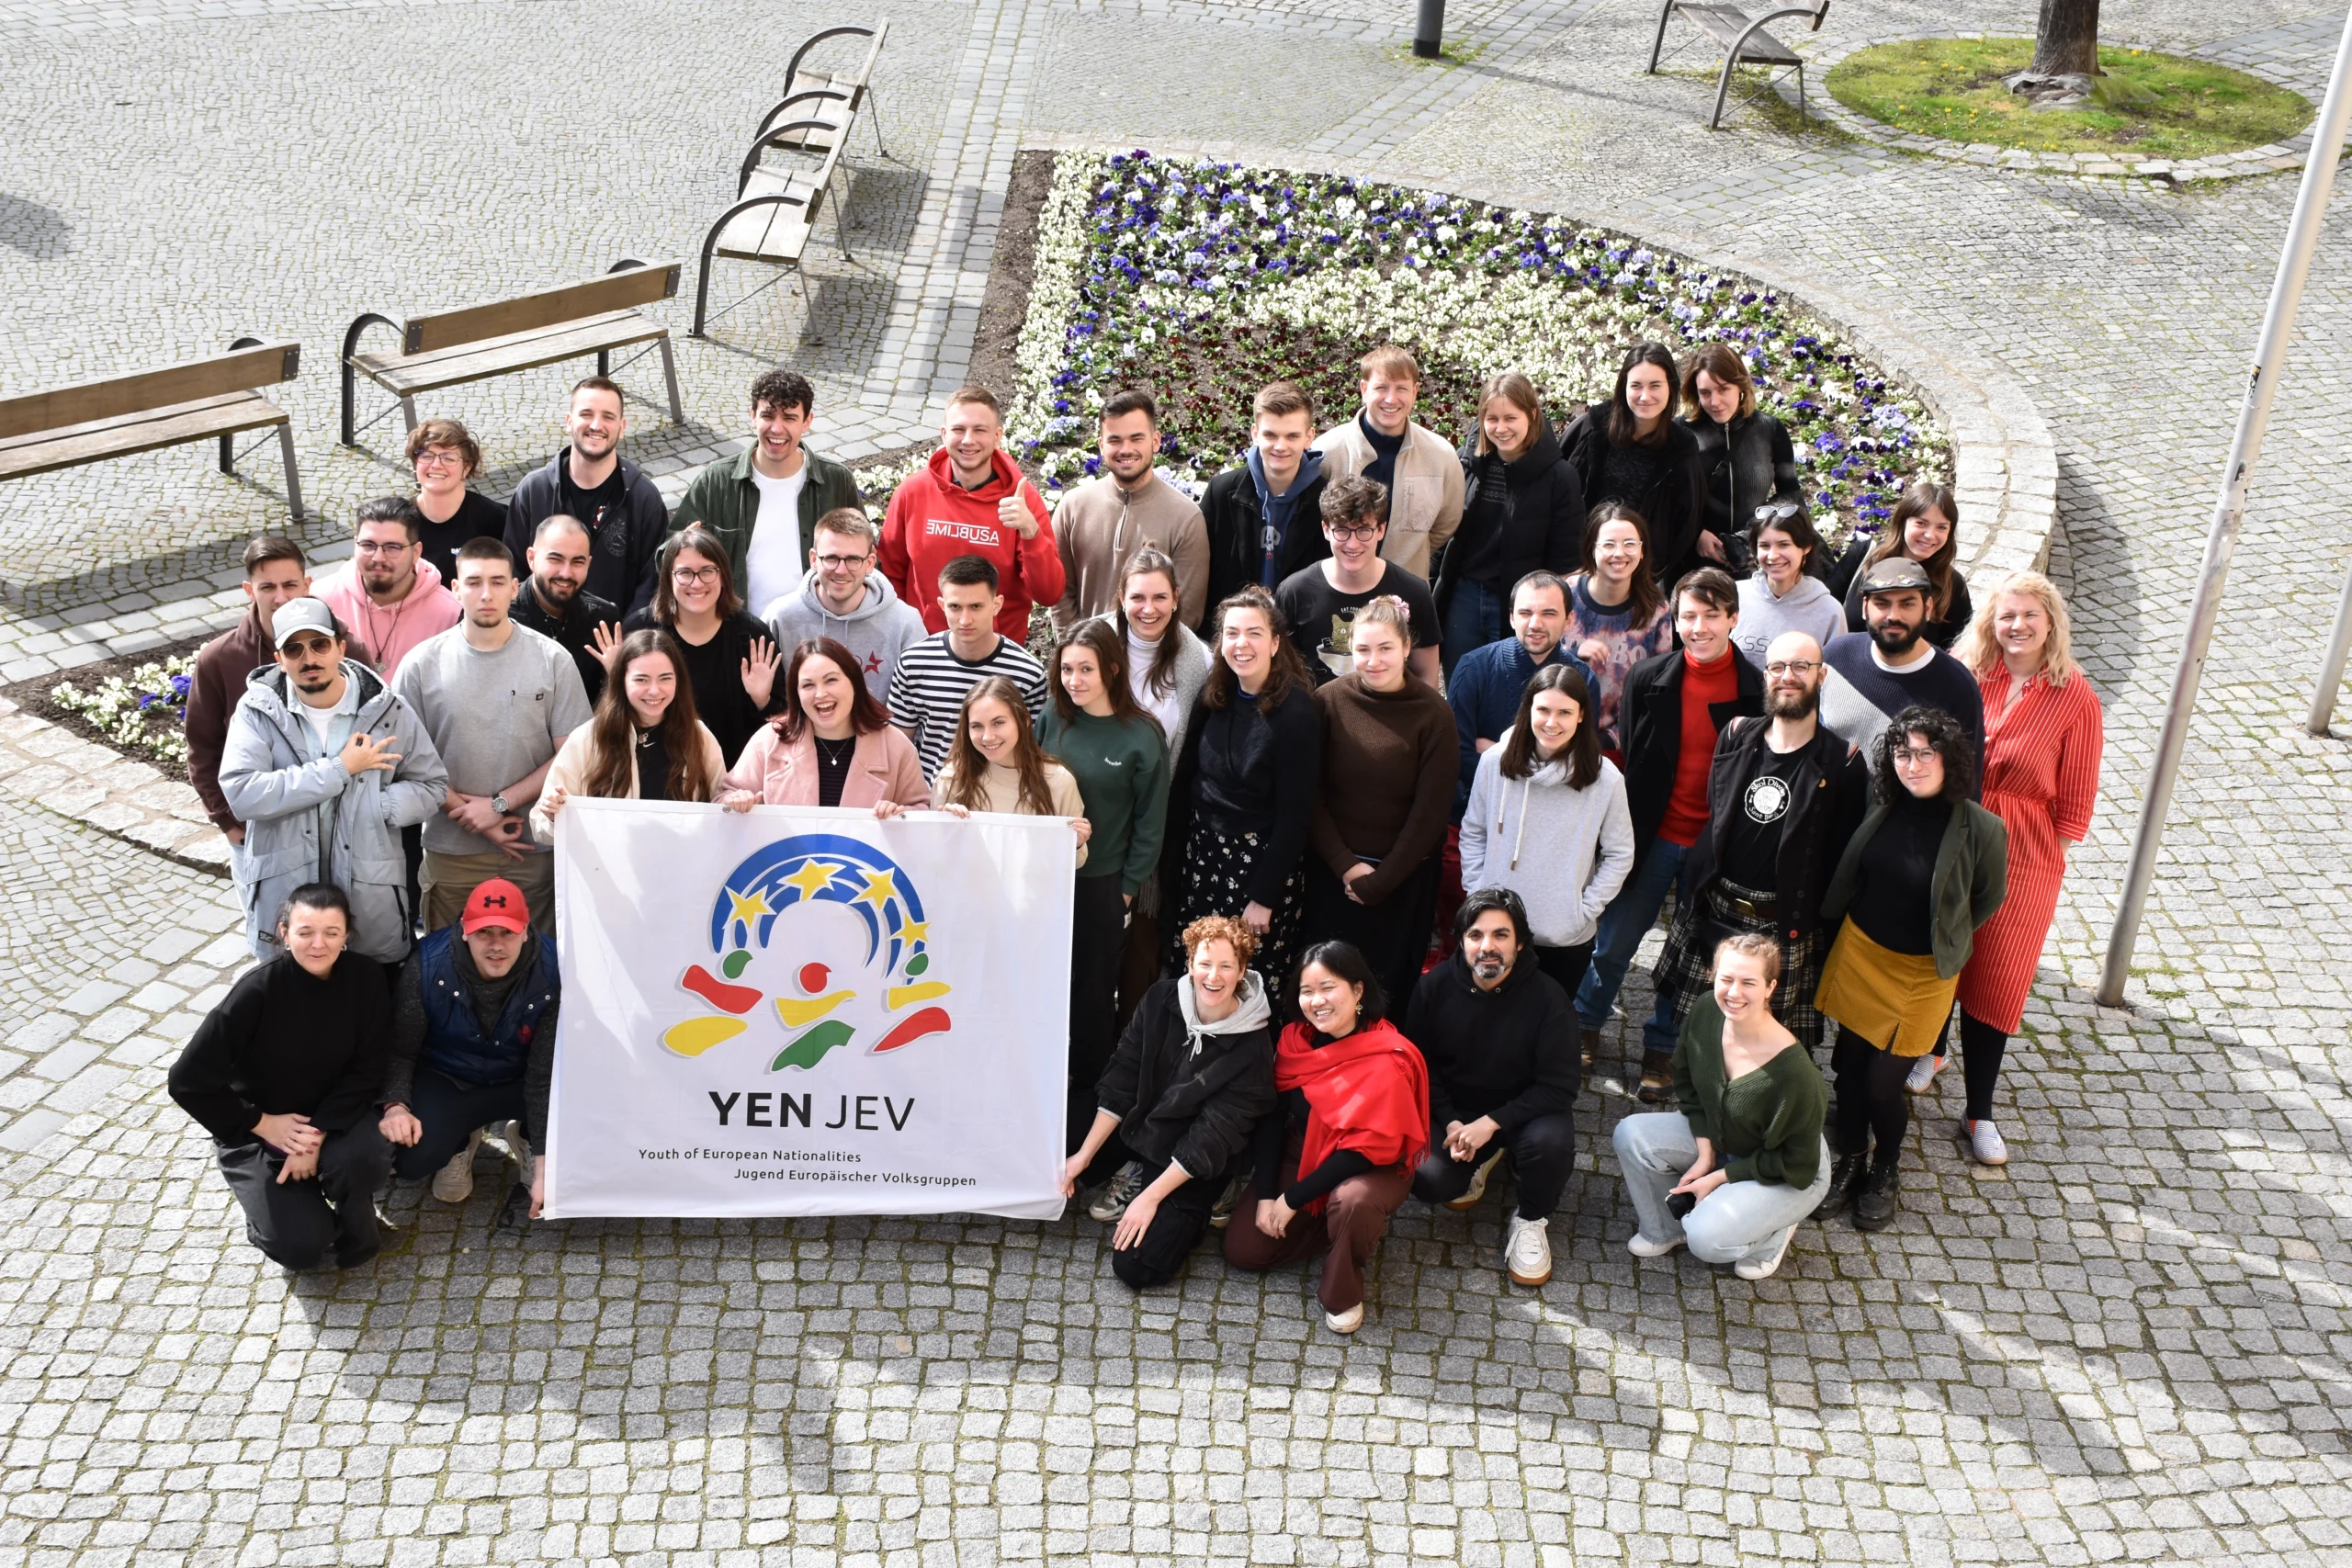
<point x="498" y="803"/>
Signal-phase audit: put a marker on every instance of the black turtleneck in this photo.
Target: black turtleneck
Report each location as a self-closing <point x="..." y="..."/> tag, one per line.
<point x="1894" y="899"/>
<point x="285" y="1041"/>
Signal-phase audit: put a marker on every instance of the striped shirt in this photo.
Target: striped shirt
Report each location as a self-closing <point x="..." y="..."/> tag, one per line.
<point x="927" y="691"/>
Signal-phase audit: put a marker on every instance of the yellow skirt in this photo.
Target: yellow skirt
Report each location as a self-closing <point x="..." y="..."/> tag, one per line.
<point x="1895" y="1001"/>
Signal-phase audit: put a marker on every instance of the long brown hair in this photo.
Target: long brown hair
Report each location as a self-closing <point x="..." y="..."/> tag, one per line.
<point x="612" y="730"/>
<point x="1924" y="496"/>
<point x="1622" y="424"/>
<point x="968" y="770"/>
<point x="865" y="715"/>
<point x="1646" y="596"/>
<point x="1723" y="362"/>
<point x="706" y="544"/>
<point x="1285" y="672"/>
<point x="1522" y="753"/>
<point x="1520" y="393"/>
<point x="1160" y="679"/>
<point x="1109" y="650"/>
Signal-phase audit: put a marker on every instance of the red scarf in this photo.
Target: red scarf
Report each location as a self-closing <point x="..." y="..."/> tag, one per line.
<point x="1369" y="1092"/>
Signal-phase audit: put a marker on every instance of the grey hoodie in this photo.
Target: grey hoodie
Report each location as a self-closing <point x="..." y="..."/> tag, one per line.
<point x="1565" y="852"/>
<point x="1809" y="607"/>
<point x="275" y="785"/>
<point x="882" y="626"/>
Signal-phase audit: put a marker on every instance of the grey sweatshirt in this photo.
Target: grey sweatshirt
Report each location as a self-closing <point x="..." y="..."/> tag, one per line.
<point x="881" y="627"/>
<point x="1565" y="852"/>
<point x="1809" y="607"/>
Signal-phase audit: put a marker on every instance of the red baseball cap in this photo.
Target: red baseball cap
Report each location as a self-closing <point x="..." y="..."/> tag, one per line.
<point x="497" y="902"/>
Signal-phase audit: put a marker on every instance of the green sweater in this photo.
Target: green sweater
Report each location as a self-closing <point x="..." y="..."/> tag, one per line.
<point x="1765" y="1125"/>
<point x="1121" y="765"/>
<point x="723" y="498"/>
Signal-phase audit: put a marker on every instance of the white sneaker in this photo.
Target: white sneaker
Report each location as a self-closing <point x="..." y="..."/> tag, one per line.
<point x="518" y="1146"/>
<point x="1477" y="1188"/>
<point x="1985" y="1146"/>
<point x="1346" y="1322"/>
<point x="1641" y="1246"/>
<point x="454" y="1182"/>
<point x="1923" y="1073"/>
<point x="1117" y="1193"/>
<point x="1527" y="1251"/>
<point x="1765" y="1267"/>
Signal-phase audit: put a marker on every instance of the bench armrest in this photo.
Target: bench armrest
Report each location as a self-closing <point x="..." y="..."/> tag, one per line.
<point x="760" y="143"/>
<point x="349" y="433"/>
<point x="792" y="72"/>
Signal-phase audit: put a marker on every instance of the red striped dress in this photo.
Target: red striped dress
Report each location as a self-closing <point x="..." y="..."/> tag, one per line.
<point x="2041" y="777"/>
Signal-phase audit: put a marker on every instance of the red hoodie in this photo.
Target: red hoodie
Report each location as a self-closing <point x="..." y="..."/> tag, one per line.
<point x="932" y="520"/>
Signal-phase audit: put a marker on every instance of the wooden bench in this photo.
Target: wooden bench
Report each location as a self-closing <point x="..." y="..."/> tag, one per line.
<point x="1742" y="40"/>
<point x="478" y="341"/>
<point x="850" y="90"/>
<point x="776" y="209"/>
<point x="90" y="421"/>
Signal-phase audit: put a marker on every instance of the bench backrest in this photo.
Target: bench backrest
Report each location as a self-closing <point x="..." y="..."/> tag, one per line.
<point x="856" y="81"/>
<point x="84" y="402"/>
<point x="620" y="290"/>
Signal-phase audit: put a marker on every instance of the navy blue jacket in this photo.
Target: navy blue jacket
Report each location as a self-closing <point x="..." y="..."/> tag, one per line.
<point x="1485" y="690"/>
<point x="454" y="1041"/>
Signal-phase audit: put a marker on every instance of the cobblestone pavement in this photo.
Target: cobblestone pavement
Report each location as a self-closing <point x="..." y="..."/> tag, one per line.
<point x="2131" y="1345"/>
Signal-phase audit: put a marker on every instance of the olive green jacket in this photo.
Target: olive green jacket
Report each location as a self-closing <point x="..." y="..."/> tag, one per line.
<point x="723" y="498"/>
<point x="1972" y="878"/>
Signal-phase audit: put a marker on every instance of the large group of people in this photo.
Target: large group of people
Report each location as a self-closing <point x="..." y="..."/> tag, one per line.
<point x="1382" y="759"/>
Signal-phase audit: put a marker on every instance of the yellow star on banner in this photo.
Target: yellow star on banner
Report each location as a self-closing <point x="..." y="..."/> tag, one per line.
<point x="913" y="931"/>
<point x="750" y="907"/>
<point x="810" y="879"/>
<point x="880" y="888"/>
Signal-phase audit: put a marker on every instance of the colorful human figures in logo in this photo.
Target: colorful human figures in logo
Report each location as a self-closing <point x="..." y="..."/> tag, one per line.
<point x="816" y="868"/>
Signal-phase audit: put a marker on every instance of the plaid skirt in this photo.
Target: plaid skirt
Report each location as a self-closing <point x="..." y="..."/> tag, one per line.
<point x="1216" y="875"/>
<point x="1686" y="967"/>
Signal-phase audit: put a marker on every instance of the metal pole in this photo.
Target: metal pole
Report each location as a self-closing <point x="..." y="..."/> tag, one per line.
<point x="2253" y="417"/>
<point x="2330" y="670"/>
<point x="1430" y="29"/>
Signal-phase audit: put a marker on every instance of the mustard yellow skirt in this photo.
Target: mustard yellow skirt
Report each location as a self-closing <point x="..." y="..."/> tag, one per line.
<point x="1895" y="1001"/>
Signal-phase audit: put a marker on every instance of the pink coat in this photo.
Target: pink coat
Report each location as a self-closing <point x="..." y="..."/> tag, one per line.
<point x="383" y="635"/>
<point x="884" y="767"/>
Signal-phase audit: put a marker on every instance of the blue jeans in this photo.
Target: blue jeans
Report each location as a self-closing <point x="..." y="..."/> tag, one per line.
<point x="1475" y="616"/>
<point x="1627" y="919"/>
<point x="1738" y="1219"/>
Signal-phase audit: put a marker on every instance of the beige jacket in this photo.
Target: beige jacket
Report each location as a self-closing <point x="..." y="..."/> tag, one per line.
<point x="1424" y="504"/>
<point x="1099" y="529"/>
<point x="571" y="767"/>
<point x="1000" y="793"/>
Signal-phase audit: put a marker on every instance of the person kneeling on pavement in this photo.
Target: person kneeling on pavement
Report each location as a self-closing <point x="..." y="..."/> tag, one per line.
<point x="1743" y="1160"/>
<point x="283" y="1073"/>
<point x="473" y="1045"/>
<point x="1501" y="1040"/>
<point x="1192" y="1073"/>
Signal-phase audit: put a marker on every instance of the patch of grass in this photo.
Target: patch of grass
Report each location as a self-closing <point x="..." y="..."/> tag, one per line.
<point x="2147" y="105"/>
<point x="1449" y="54"/>
<point x="1749" y="96"/>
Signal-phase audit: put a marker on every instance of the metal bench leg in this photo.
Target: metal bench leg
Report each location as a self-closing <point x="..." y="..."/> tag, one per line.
<point x="1800" y="116"/>
<point x="228" y="455"/>
<point x="1658" y="43"/>
<point x="874" y="117"/>
<point x="840" y="211"/>
<point x="1723" y="88"/>
<point x="293" y="475"/>
<point x="669" y="374"/>
<point x="408" y="412"/>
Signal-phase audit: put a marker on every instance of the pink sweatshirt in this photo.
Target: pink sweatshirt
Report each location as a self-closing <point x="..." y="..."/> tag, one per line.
<point x="382" y="635"/>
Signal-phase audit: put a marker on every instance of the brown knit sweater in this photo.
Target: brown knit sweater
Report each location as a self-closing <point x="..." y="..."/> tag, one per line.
<point x="1390" y="764"/>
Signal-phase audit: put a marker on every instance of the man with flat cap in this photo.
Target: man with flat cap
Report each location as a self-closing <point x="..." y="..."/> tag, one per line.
<point x="1877" y="674"/>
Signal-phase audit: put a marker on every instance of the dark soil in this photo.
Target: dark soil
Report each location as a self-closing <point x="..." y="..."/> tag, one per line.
<point x="33" y="697"/>
<point x="1011" y="272"/>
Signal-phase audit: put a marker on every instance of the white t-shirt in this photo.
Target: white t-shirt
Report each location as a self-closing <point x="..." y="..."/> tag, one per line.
<point x="773" y="559"/>
<point x="321" y="721"/>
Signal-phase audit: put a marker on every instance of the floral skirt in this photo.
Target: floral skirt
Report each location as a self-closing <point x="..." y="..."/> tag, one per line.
<point x="1218" y="867"/>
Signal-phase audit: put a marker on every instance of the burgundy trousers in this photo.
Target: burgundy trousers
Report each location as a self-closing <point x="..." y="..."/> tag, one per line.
<point x="1354" y="1218"/>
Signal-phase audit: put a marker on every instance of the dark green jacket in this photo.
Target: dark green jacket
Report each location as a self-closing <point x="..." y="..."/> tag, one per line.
<point x="1122" y="768"/>
<point x="1972" y="878"/>
<point x="723" y="498"/>
<point x="1765" y="1125"/>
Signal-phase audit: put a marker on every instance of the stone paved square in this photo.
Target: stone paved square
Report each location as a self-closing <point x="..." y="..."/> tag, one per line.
<point x="2129" y="1345"/>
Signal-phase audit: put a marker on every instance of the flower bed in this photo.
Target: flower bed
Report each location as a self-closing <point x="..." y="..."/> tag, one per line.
<point x="1201" y="281"/>
<point x="141" y="713"/>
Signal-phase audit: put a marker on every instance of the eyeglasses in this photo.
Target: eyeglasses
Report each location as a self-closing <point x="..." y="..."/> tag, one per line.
<point x="693" y="576"/>
<point x="1792" y="667"/>
<point x="842" y="563"/>
<point x="440" y="458"/>
<point x="303" y="648"/>
<point x="1353" y="530"/>
<point x="382" y="548"/>
<point x="1913" y="756"/>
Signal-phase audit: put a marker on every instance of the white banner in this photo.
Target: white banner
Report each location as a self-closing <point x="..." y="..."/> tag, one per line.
<point x="797" y="1011"/>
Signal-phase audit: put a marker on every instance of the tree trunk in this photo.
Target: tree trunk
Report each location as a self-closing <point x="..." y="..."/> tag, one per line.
<point x="2066" y="42"/>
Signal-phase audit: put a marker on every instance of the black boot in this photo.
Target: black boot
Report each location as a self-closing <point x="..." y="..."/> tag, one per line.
<point x="1845" y="1180"/>
<point x="1878" y="1203"/>
<point x="1657" y="1077"/>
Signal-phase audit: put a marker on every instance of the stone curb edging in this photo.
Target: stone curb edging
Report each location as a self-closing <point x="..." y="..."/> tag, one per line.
<point x="2270" y="159"/>
<point x="2005" y="458"/>
<point x="101" y="788"/>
